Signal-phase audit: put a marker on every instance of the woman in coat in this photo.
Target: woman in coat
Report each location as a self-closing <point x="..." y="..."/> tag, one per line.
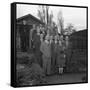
<point x="46" y="51"/>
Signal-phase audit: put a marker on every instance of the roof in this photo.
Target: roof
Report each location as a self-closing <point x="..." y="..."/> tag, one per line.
<point x="82" y="34"/>
<point x="79" y="39"/>
<point x="29" y="17"/>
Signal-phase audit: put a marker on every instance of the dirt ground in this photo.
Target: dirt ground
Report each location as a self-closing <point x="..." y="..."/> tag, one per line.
<point x="65" y="78"/>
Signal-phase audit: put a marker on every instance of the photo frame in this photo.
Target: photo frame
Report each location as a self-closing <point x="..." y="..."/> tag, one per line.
<point x="46" y="47"/>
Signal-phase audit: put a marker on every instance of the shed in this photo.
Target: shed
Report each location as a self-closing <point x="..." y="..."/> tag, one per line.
<point x="24" y="25"/>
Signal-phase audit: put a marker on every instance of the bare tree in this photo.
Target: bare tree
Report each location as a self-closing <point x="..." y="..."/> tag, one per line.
<point x="43" y="13"/>
<point x="50" y="19"/>
<point x="60" y="22"/>
<point x="47" y="17"/>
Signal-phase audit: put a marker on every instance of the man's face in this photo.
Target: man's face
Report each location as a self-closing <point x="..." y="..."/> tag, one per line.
<point x="38" y="29"/>
<point x="24" y="22"/>
<point x="48" y="31"/>
<point x="61" y="37"/>
<point x="34" y="26"/>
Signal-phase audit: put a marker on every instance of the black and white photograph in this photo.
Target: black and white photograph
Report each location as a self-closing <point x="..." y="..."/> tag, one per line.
<point x="51" y="44"/>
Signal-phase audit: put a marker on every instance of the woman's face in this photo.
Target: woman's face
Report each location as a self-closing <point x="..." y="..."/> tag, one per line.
<point x="61" y="37"/>
<point x="55" y="37"/>
<point x="47" y="37"/>
<point x="67" y="38"/>
<point x="55" y="40"/>
<point x="41" y="36"/>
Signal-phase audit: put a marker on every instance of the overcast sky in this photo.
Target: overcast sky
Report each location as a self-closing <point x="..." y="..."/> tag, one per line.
<point x="76" y="16"/>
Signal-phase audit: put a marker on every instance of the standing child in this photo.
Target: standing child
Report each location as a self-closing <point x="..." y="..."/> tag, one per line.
<point x="60" y="57"/>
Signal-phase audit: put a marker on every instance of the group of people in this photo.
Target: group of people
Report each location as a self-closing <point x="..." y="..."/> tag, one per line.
<point x="49" y="50"/>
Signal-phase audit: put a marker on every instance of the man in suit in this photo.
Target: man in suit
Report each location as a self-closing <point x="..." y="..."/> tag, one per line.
<point x="36" y="45"/>
<point x="24" y="36"/>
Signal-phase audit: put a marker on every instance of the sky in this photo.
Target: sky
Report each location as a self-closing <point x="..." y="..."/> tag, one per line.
<point x="76" y="16"/>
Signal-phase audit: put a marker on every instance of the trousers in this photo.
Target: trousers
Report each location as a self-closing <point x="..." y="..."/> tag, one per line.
<point x="46" y="64"/>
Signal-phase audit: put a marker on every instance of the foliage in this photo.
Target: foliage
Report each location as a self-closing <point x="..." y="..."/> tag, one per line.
<point x="29" y="72"/>
<point x="70" y="29"/>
